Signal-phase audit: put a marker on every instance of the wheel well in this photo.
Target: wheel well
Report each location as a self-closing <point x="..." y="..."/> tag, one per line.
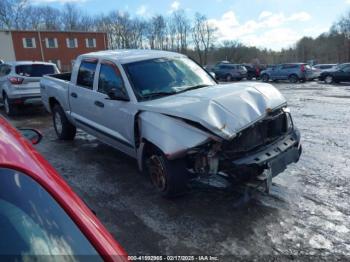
<point x="52" y="102"/>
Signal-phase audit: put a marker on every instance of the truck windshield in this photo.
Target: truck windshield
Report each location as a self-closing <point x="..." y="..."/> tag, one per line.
<point x="35" y="70"/>
<point x="159" y="77"/>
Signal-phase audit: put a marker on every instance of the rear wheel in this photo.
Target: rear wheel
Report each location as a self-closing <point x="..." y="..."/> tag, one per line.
<point x="10" y="109"/>
<point x="249" y="77"/>
<point x="169" y="177"/>
<point x="329" y="79"/>
<point x="293" y="78"/>
<point x="64" y="129"/>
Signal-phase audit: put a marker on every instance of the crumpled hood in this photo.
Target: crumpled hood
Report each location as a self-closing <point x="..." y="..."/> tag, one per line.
<point x="223" y="109"/>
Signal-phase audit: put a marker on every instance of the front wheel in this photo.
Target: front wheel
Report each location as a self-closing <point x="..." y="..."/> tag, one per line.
<point x="10" y="109"/>
<point x="169" y="177"/>
<point x="64" y="129"/>
<point x="228" y="78"/>
<point x="329" y="79"/>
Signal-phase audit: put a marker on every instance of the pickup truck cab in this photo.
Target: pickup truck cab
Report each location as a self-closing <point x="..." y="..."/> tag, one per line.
<point x="167" y="112"/>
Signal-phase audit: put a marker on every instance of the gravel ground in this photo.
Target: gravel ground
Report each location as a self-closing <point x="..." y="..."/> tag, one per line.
<point x="307" y="212"/>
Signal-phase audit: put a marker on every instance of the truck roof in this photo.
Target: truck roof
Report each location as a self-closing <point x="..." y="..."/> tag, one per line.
<point x="124" y="56"/>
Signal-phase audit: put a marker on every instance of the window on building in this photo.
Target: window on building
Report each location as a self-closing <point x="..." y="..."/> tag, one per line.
<point x="29" y="42"/>
<point x="86" y="74"/>
<point x="90" y="42"/>
<point x="57" y="62"/>
<point x="72" y="42"/>
<point x="51" y="42"/>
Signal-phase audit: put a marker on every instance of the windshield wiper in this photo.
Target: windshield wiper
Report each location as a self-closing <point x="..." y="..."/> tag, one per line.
<point x="193" y="87"/>
<point x="162" y="93"/>
<point x="158" y="94"/>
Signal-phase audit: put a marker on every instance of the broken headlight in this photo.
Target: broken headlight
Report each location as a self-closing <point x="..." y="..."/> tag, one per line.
<point x="289" y="120"/>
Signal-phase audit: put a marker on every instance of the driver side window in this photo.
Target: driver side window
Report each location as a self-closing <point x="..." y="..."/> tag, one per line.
<point x="109" y="78"/>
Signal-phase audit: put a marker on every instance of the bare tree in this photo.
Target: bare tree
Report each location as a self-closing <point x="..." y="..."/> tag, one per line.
<point x="182" y="27"/>
<point x="11" y="13"/>
<point x="70" y="17"/>
<point x="156" y="32"/>
<point x="50" y="18"/>
<point x="203" y="37"/>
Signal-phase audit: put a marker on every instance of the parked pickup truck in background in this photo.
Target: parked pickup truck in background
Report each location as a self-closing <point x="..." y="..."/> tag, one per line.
<point x="168" y="113"/>
<point x="20" y="82"/>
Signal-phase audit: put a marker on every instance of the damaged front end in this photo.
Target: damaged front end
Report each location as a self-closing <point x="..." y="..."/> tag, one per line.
<point x="260" y="151"/>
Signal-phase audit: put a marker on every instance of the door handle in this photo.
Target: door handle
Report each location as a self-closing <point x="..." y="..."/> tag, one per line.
<point x="73" y="95"/>
<point x="99" y="104"/>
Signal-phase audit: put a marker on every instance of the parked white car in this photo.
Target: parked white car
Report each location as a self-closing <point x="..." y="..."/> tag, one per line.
<point x="167" y="112"/>
<point x="20" y="82"/>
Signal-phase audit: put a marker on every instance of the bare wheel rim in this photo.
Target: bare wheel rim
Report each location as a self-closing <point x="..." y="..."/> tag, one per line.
<point x="329" y="79"/>
<point x="6" y="105"/>
<point x="157" y="172"/>
<point x="58" y="123"/>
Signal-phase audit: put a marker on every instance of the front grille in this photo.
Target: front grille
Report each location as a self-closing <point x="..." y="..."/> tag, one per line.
<point x="261" y="133"/>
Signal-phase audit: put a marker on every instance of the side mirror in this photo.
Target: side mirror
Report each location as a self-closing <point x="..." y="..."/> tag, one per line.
<point x="34" y="136"/>
<point x="117" y="94"/>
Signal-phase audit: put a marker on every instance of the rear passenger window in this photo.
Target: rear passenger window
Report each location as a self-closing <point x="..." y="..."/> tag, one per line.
<point x="86" y="74"/>
<point x="109" y="78"/>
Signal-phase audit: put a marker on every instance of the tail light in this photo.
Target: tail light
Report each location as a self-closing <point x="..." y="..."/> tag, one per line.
<point x="257" y="70"/>
<point x="303" y="68"/>
<point x="16" y="80"/>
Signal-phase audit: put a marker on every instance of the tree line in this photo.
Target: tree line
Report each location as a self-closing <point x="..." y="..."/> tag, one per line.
<point x="193" y="36"/>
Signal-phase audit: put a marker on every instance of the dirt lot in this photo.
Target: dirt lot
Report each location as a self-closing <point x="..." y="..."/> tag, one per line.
<point x="307" y="212"/>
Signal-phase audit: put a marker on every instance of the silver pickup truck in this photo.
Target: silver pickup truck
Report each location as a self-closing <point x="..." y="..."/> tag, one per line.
<point x="164" y="110"/>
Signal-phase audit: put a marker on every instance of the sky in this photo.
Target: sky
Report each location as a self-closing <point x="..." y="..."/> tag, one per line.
<point x="272" y="24"/>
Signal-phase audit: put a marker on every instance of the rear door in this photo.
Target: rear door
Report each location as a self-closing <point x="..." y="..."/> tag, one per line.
<point x="81" y="95"/>
<point x="287" y="70"/>
<point x="113" y="118"/>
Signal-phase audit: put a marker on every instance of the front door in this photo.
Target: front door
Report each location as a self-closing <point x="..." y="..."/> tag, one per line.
<point x="114" y="118"/>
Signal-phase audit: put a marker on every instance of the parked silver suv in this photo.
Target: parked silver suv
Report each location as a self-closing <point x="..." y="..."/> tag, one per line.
<point x="229" y="72"/>
<point x="20" y="82"/>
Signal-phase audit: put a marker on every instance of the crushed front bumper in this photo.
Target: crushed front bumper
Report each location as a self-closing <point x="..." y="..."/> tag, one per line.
<point x="275" y="157"/>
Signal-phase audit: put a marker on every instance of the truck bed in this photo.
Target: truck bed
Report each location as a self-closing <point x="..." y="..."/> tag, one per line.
<point x="62" y="76"/>
<point x="55" y="86"/>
